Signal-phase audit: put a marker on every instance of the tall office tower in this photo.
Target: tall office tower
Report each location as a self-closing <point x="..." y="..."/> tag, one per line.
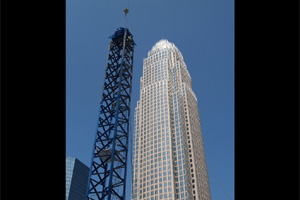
<point x="77" y="175"/>
<point x="168" y="159"/>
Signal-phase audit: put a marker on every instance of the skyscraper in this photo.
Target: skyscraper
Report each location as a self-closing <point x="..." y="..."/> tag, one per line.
<point x="77" y="175"/>
<point x="168" y="160"/>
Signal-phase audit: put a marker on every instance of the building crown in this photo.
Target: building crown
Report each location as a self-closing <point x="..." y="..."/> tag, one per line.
<point x="162" y="44"/>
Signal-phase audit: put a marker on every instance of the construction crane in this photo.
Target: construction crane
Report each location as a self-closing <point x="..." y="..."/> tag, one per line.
<point x="109" y="157"/>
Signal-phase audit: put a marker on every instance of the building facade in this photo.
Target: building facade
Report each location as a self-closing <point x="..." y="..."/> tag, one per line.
<point x="168" y="160"/>
<point x="77" y="175"/>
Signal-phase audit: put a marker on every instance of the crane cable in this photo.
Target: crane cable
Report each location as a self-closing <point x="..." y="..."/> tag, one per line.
<point x="219" y="183"/>
<point x="126" y="10"/>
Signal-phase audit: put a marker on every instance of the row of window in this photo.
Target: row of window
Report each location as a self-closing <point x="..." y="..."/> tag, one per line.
<point x="155" y="55"/>
<point x="155" y="72"/>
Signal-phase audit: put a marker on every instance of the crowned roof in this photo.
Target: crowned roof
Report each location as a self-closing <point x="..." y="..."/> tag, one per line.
<point x="162" y="44"/>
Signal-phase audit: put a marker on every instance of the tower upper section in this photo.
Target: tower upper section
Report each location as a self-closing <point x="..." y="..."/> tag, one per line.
<point x="164" y="60"/>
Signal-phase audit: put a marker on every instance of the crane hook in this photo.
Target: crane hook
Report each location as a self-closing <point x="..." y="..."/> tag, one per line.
<point x="126" y="11"/>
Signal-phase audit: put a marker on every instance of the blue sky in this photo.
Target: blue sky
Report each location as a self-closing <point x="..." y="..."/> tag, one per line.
<point x="203" y="30"/>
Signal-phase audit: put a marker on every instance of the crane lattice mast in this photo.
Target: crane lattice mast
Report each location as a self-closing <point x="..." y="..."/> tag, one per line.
<point x="109" y="158"/>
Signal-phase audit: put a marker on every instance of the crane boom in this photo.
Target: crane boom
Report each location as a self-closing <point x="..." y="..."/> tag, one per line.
<point x="109" y="154"/>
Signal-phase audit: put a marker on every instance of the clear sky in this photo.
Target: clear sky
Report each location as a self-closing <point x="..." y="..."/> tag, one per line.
<point x="203" y="30"/>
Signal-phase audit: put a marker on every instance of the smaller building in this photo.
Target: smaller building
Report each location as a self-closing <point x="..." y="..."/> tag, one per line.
<point x="77" y="175"/>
